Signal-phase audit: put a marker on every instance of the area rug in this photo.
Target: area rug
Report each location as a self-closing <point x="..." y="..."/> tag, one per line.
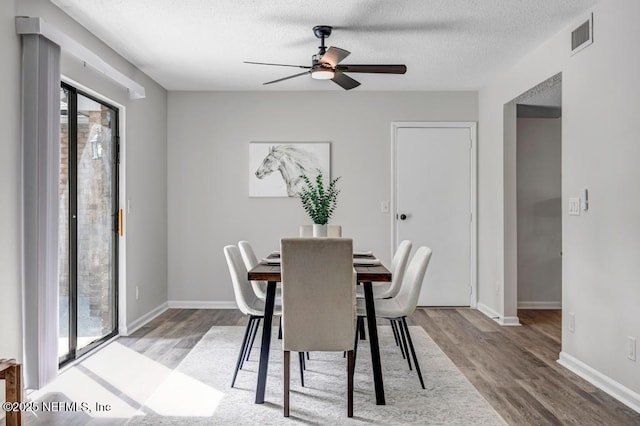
<point x="198" y="391"/>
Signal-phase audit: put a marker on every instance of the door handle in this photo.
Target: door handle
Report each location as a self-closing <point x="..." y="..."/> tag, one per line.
<point x="403" y="216"/>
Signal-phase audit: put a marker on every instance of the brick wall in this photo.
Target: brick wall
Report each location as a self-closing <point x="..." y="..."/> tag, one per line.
<point x="95" y="222"/>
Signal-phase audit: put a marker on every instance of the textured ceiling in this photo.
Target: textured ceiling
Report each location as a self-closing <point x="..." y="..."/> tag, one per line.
<point x="201" y="44"/>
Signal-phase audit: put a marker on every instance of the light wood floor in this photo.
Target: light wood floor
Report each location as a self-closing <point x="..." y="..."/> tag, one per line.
<point x="514" y="368"/>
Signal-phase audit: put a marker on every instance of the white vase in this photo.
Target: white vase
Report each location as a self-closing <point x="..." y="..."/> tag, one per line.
<point x="319" y="230"/>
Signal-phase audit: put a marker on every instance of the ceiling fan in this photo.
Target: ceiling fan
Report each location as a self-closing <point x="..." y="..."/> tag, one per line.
<point x="325" y="65"/>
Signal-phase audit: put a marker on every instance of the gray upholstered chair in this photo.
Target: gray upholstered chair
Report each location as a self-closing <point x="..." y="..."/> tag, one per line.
<point x="247" y="301"/>
<point x="399" y="307"/>
<point x="332" y="231"/>
<point x="318" y="301"/>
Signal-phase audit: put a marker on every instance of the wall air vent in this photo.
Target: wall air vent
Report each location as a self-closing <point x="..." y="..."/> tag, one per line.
<point x="582" y="36"/>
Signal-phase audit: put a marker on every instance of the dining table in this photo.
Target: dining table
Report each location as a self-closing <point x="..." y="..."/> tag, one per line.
<point x="367" y="272"/>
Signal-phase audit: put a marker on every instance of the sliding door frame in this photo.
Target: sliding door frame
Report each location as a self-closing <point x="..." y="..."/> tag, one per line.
<point x="73" y="352"/>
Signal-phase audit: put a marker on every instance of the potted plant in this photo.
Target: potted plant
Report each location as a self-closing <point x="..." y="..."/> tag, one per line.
<point x="319" y="201"/>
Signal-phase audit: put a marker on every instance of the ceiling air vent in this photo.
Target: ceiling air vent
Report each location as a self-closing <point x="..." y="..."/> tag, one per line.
<point x="582" y="36"/>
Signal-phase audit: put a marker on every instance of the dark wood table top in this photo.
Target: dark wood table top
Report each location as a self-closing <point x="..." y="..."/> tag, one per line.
<point x="271" y="272"/>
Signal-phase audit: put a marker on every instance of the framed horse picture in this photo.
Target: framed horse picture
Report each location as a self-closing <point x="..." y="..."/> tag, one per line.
<point x="275" y="168"/>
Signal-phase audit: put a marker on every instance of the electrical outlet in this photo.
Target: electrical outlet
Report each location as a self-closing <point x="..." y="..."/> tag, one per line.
<point x="137" y="293"/>
<point x="572" y="322"/>
<point x="631" y="351"/>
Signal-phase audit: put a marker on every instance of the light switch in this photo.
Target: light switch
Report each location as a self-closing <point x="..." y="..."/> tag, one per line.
<point x="574" y="206"/>
<point x="384" y="207"/>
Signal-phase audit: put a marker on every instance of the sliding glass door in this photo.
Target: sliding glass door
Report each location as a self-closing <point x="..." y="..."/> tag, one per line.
<point x="88" y="223"/>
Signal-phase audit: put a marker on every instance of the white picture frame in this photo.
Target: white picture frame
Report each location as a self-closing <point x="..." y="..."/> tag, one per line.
<point x="275" y="167"/>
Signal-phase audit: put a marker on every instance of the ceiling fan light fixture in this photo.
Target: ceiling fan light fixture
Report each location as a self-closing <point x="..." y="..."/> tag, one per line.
<point x="323" y="74"/>
<point x="325" y="65"/>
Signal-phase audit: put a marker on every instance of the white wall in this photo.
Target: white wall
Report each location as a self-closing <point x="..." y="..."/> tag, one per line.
<point x="143" y="133"/>
<point x="600" y="150"/>
<point x="209" y="207"/>
<point x="539" y="212"/>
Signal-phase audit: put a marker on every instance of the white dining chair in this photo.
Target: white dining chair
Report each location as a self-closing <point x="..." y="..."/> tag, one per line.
<point x="404" y="303"/>
<point x="251" y="261"/>
<point x="387" y="290"/>
<point x="247" y="301"/>
<point x="318" y="302"/>
<point x="334" y="231"/>
<point x="397" y="269"/>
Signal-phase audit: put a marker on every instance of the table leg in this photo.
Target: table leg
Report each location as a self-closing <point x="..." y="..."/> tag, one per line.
<point x="373" y="341"/>
<point x="266" y="341"/>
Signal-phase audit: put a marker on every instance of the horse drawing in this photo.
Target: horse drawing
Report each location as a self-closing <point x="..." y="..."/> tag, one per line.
<point x="291" y="162"/>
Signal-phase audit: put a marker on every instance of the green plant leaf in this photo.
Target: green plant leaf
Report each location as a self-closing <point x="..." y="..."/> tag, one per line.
<point x="318" y="200"/>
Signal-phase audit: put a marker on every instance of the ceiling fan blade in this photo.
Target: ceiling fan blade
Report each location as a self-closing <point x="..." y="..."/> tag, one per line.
<point x="334" y="55"/>
<point x="287" y="78"/>
<point x="344" y="81"/>
<point x="376" y="69"/>
<point x="278" y="65"/>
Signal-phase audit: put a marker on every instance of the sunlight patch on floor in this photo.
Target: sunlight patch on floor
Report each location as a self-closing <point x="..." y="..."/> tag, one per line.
<point x="130" y="384"/>
<point x="76" y="386"/>
<point x="180" y="395"/>
<point x="128" y="371"/>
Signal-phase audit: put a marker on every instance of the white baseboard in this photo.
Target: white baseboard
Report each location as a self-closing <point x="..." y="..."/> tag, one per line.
<point x="488" y="311"/>
<point x="506" y="321"/>
<point x="128" y="329"/>
<point x="608" y="385"/>
<point x="539" y="305"/>
<point x="509" y="321"/>
<point x="196" y="304"/>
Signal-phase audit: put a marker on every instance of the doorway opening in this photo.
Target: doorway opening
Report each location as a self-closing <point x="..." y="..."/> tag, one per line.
<point x="88" y="225"/>
<point x="539" y="203"/>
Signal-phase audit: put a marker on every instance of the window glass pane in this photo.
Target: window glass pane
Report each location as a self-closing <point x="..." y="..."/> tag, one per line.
<point x="95" y="220"/>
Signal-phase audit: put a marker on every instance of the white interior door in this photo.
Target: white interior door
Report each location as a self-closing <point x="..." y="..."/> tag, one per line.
<point x="434" y="205"/>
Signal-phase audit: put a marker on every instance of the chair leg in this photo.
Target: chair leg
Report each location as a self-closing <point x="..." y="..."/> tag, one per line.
<point x="404" y="343"/>
<point x="256" y="325"/>
<point x="301" y="360"/>
<point x="351" y="363"/>
<point x="242" y="349"/>
<point x="400" y="340"/>
<point x="394" y="328"/>
<point x="413" y="351"/>
<point x="285" y="381"/>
